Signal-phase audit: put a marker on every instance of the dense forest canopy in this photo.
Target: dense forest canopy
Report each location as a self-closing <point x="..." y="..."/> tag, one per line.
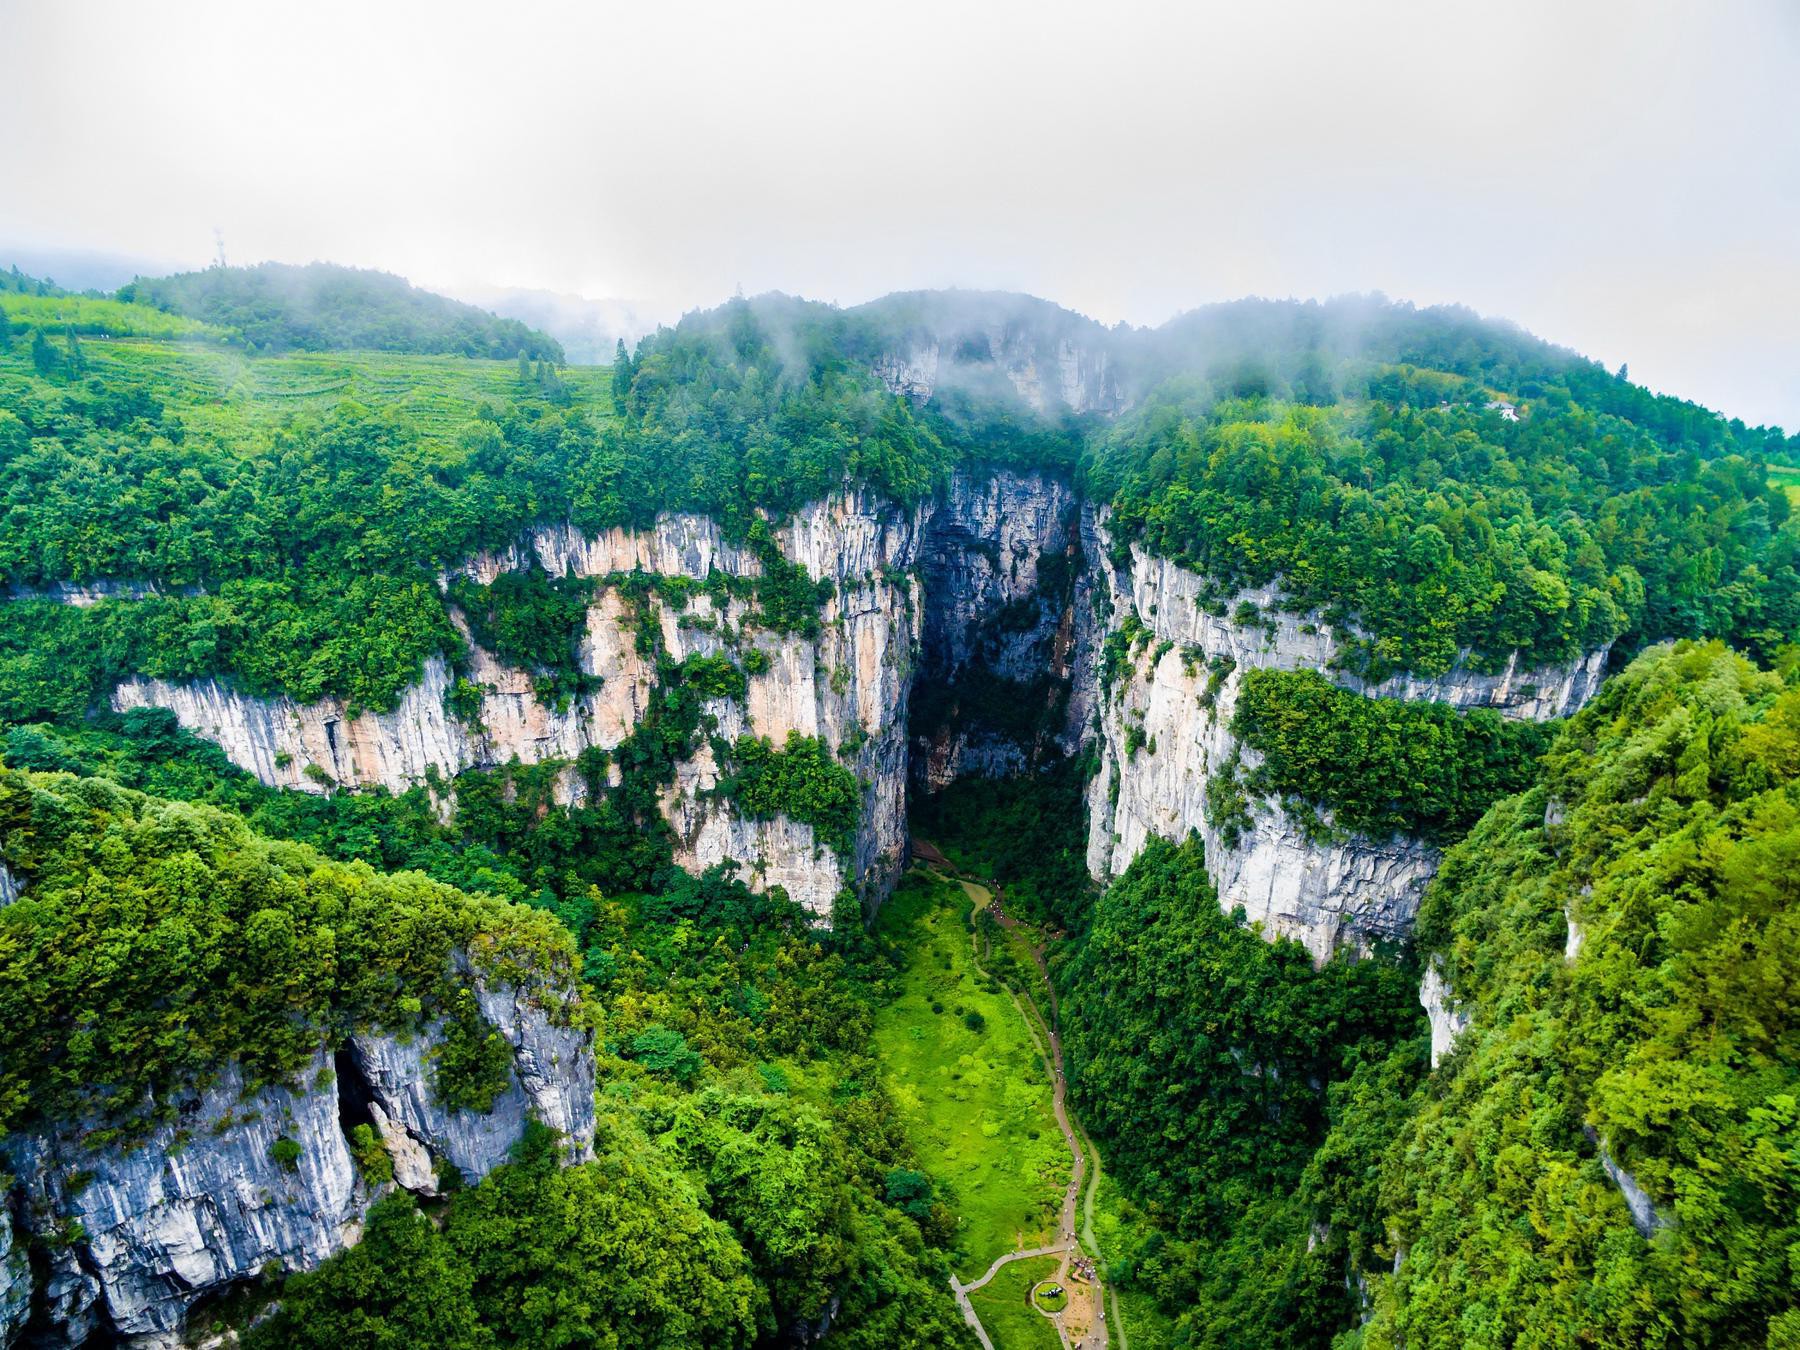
<point x="154" y="941"/>
<point x="745" y="1145"/>
<point x="1204" y="1059"/>
<point x="1625" y="935"/>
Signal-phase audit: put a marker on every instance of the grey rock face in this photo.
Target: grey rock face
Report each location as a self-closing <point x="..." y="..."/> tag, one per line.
<point x="1172" y="705"/>
<point x="1645" y="1216"/>
<point x="15" y="1281"/>
<point x="552" y="1082"/>
<point x="987" y="611"/>
<point x="1448" y="1021"/>
<point x="207" y="1201"/>
<point x="850" y="685"/>
<point x="201" y="1204"/>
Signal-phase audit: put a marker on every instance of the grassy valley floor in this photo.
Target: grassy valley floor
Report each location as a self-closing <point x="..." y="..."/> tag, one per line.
<point x="969" y="1080"/>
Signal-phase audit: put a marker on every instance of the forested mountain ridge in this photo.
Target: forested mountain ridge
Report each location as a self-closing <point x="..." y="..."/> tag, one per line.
<point x="1626" y="937"/>
<point x="1404" y="505"/>
<point x="1361" y="454"/>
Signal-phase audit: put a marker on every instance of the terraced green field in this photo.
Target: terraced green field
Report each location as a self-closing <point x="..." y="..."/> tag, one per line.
<point x="225" y="392"/>
<point x="96" y="316"/>
<point x="975" y="1104"/>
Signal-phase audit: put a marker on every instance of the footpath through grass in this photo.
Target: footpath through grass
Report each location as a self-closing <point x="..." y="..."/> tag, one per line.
<point x="1004" y="1307"/>
<point x="972" y="1090"/>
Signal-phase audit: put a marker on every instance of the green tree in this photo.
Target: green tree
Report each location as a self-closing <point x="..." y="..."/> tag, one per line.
<point x="622" y="373"/>
<point x="613" y="1253"/>
<point x="43" y="355"/>
<point x="400" y="1287"/>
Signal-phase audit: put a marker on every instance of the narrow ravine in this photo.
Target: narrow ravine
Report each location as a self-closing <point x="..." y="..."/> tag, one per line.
<point x="1091" y="1332"/>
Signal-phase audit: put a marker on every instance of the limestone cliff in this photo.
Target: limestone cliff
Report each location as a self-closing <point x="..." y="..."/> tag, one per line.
<point x="998" y="590"/>
<point x="978" y="550"/>
<point x="849" y="685"/>
<point x="1165" y="730"/>
<point x="1006" y="621"/>
<point x="133" y="1237"/>
<point x="1448" y="1020"/>
<point x="15" y="1280"/>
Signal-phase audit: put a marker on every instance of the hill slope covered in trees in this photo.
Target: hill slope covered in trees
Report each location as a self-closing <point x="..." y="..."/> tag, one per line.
<point x="1625" y="938"/>
<point x="1440" y="488"/>
<point x="323" y="307"/>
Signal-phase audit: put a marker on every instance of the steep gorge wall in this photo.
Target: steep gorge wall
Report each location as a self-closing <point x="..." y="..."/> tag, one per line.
<point x="948" y="610"/>
<point x="848" y="686"/>
<point x="968" y="555"/>
<point x="1006" y="630"/>
<point x="133" y="1237"/>
<point x="1164" y="730"/>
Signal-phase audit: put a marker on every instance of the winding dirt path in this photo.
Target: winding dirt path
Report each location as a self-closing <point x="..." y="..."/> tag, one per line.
<point x="1067" y="1246"/>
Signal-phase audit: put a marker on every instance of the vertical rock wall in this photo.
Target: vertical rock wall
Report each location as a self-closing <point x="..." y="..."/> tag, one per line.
<point x="1165" y="730"/>
<point x="140" y="1234"/>
<point x="977" y="551"/>
<point x="848" y="686"/>
<point x="1002" y="574"/>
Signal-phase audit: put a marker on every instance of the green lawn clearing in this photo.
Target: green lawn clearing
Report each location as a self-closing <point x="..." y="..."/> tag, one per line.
<point x="971" y="1088"/>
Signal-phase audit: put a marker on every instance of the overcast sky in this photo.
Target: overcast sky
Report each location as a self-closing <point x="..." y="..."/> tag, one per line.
<point x="1620" y="177"/>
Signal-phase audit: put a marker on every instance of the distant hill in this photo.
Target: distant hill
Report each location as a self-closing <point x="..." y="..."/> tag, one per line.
<point x="82" y="270"/>
<point x="324" y="307"/>
<point x="589" y="330"/>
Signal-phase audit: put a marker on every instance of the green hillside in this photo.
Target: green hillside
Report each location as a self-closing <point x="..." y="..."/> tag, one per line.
<point x="157" y="940"/>
<point x="1667" y="830"/>
<point x="323" y="307"/>
<point x="314" y="498"/>
<point x="1474" y="1203"/>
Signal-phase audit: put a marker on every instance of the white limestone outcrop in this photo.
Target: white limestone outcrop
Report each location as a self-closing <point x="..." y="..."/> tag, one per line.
<point x="1447" y="1018"/>
<point x="1646" y="1217"/>
<point x="208" y="1199"/>
<point x="552" y="1082"/>
<point x="1165" y="730"/>
<point x="15" y="1279"/>
<point x="849" y="685"/>
<point x="205" y="1202"/>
